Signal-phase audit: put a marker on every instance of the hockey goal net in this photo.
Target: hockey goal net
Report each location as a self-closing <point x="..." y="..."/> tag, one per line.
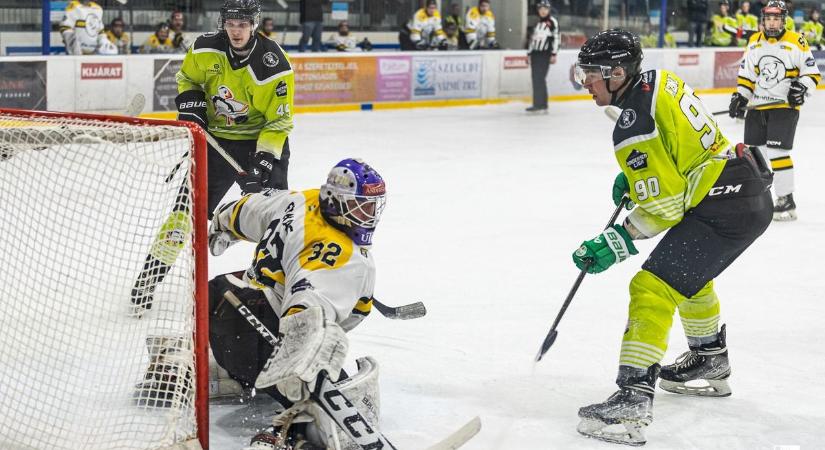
<point x="83" y="200"/>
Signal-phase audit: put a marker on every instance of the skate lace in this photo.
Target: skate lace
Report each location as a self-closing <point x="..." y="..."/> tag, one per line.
<point x="686" y="360"/>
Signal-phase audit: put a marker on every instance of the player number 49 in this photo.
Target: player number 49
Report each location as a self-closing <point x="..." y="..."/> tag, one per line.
<point x="646" y="188"/>
<point x="283" y="109"/>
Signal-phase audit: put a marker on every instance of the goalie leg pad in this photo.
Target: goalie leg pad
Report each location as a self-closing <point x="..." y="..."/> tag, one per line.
<point x="363" y="391"/>
<point x="310" y="344"/>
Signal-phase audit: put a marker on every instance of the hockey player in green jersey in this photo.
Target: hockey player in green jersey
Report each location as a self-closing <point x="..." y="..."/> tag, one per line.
<point x="239" y="86"/>
<point x="684" y="177"/>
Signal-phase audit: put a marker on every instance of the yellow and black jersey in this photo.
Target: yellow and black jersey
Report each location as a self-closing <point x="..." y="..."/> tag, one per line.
<point x="155" y="45"/>
<point x="297" y="250"/>
<point x="771" y="64"/>
<point x="86" y="22"/>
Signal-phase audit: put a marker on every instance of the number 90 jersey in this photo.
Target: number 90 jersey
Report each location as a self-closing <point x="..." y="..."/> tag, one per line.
<point x="669" y="147"/>
<point x="299" y="250"/>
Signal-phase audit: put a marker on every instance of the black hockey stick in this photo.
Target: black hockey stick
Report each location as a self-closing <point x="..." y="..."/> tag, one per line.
<point x="552" y="334"/>
<point x="403" y="312"/>
<point x="751" y="107"/>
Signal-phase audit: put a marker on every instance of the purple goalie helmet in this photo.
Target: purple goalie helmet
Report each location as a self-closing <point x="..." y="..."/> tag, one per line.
<point x="353" y="199"/>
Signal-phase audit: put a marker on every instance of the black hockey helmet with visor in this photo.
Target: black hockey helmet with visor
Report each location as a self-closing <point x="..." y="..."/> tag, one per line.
<point x="775" y="8"/>
<point x="604" y="52"/>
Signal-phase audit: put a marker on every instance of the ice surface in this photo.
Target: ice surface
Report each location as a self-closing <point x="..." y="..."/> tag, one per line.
<point x="485" y="207"/>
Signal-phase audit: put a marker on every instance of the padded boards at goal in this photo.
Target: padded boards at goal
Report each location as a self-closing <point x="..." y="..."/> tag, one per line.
<point x="83" y="198"/>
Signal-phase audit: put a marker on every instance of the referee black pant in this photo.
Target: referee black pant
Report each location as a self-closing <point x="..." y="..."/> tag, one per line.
<point x="539" y="66"/>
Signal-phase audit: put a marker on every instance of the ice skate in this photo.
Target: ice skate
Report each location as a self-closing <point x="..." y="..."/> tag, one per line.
<point x="784" y="209"/>
<point x="289" y="432"/>
<point x="535" y="110"/>
<point x="621" y="418"/>
<point x="701" y="371"/>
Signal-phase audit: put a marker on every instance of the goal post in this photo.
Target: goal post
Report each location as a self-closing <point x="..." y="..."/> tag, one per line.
<point x="83" y="198"/>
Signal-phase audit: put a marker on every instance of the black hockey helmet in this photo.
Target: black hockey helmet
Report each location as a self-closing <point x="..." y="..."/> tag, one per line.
<point x="545" y="3"/>
<point x="612" y="48"/>
<point x="775" y="8"/>
<point x="241" y="9"/>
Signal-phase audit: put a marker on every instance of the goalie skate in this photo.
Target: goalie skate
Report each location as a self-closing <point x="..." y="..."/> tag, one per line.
<point x="703" y="371"/>
<point x="784" y="209"/>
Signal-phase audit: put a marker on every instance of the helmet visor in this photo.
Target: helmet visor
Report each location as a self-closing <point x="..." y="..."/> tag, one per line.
<point x="589" y="73"/>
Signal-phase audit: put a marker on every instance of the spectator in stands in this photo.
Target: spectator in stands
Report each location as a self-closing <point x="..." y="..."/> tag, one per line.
<point x="697" y="16"/>
<point x="176" y="27"/>
<point x="82" y="29"/>
<point x="116" y="35"/>
<point x="748" y="23"/>
<point x="159" y="41"/>
<point x="790" y="24"/>
<point x="267" y="28"/>
<point x="544" y="45"/>
<point x="455" y="17"/>
<point x="451" y="33"/>
<point x="343" y="41"/>
<point x="812" y="29"/>
<point x="312" y="24"/>
<point x="425" y="28"/>
<point x="480" y="27"/>
<point x="724" y="29"/>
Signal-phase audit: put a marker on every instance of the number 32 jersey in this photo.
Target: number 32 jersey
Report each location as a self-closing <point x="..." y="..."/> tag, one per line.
<point x="669" y="147"/>
<point x="298" y="250"/>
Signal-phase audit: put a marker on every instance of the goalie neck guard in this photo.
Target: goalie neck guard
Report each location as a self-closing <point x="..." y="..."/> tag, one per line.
<point x="353" y="199"/>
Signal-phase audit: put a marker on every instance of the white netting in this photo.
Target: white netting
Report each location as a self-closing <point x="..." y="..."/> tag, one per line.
<point x="81" y="204"/>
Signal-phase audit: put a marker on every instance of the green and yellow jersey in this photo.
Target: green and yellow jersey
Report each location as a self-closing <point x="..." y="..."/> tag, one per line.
<point x="723" y="31"/>
<point x="812" y="31"/>
<point x="248" y="98"/>
<point x="297" y="250"/>
<point x="669" y="147"/>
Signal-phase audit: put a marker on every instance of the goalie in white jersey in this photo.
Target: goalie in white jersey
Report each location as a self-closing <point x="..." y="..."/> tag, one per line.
<point x="312" y="269"/>
<point x="778" y="73"/>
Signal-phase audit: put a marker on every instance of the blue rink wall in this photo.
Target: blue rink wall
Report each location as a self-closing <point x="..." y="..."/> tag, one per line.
<point x="338" y="82"/>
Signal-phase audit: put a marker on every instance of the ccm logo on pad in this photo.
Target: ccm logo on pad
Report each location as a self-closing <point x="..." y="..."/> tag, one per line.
<point x="724" y="190"/>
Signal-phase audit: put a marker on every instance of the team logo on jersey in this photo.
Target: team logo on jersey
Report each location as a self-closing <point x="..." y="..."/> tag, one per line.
<point x="270" y="60"/>
<point x="810" y="62"/>
<point x="281" y="89"/>
<point x="93" y="25"/>
<point x="214" y="69"/>
<point x="627" y="119"/>
<point x="771" y="72"/>
<point x="226" y="106"/>
<point x="636" y="160"/>
<point x="671" y="86"/>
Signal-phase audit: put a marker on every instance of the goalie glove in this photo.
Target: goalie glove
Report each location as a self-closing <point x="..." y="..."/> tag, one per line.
<point x="796" y="93"/>
<point x="258" y="174"/>
<point x="311" y="344"/>
<point x="598" y="254"/>
<point x="192" y="107"/>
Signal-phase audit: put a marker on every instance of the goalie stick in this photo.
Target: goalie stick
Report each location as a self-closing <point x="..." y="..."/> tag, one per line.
<point x="403" y="312"/>
<point x="340" y="409"/>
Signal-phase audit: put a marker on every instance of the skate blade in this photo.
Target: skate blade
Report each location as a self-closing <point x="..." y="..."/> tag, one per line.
<point x="712" y="388"/>
<point x="785" y="216"/>
<point x="627" y="433"/>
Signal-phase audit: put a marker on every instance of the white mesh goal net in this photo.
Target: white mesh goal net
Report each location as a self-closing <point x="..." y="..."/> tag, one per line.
<point x="83" y="365"/>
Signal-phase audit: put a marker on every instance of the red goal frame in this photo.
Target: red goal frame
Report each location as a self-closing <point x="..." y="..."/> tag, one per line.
<point x="199" y="243"/>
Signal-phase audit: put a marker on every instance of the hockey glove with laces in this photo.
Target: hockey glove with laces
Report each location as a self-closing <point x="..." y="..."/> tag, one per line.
<point x="796" y="94"/>
<point x="258" y="174"/>
<point x="738" y="103"/>
<point x="620" y="188"/>
<point x="192" y="107"/>
<point x="598" y="254"/>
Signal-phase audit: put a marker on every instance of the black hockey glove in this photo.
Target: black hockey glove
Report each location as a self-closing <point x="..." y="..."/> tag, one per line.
<point x="738" y="103"/>
<point x="423" y="44"/>
<point x="796" y="94"/>
<point x="258" y="175"/>
<point x="192" y="107"/>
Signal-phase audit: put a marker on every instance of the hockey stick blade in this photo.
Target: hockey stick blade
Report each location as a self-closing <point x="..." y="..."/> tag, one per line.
<point x="460" y="436"/>
<point x="612" y="113"/>
<point x="136" y="105"/>
<point x="404" y="312"/>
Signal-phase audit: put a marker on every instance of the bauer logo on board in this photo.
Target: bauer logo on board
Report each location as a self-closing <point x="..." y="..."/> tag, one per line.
<point x="101" y="71"/>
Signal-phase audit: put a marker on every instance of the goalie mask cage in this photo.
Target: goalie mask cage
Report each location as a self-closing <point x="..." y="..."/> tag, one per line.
<point x="83" y="200"/>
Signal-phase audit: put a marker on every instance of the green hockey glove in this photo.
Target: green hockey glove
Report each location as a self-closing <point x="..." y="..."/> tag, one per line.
<point x="620" y="188"/>
<point x="612" y="246"/>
